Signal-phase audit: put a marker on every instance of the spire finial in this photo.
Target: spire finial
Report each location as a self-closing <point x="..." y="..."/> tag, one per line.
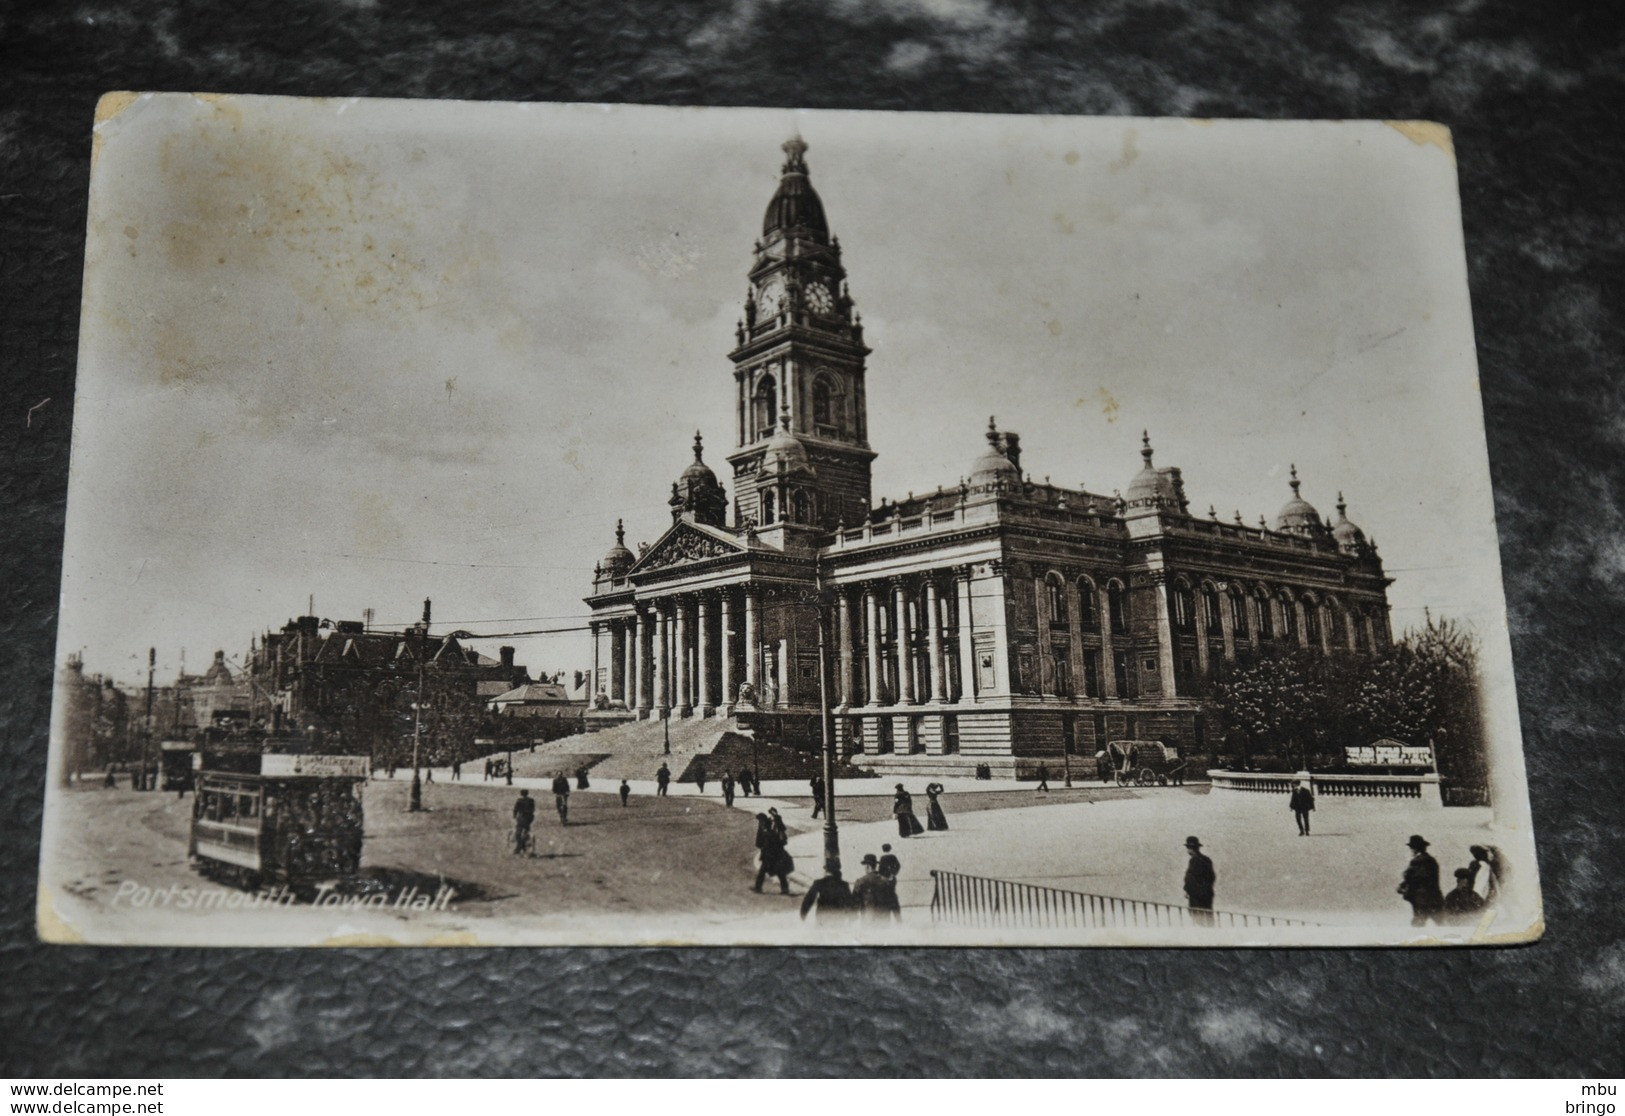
<point x="1145" y="447"/>
<point x="1295" y="482"/>
<point x="1239" y="523"/>
<point x="992" y="432"/>
<point x="1342" y="507"/>
<point x="698" y="442"/>
<point x="795" y="148"/>
<point x="620" y="533"/>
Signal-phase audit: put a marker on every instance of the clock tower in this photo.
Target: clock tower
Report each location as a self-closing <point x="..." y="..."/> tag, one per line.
<point x="802" y="458"/>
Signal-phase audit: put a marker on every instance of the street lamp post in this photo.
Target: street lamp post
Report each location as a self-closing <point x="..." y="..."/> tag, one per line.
<point x="416" y="803"/>
<point x="832" y="840"/>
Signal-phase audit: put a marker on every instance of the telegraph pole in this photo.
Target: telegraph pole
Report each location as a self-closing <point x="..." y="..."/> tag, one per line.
<point x="832" y="840"/>
<point x="146" y="748"/>
<point x="417" y="735"/>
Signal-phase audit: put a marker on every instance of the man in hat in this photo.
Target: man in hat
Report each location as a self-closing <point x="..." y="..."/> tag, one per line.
<point x="829" y="897"/>
<point x="876" y="894"/>
<point x="1199" y="877"/>
<point x="1462" y="903"/>
<point x="1420" y="885"/>
<point x="1302" y="801"/>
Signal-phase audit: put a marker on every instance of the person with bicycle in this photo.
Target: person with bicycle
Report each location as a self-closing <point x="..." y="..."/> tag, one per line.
<point x="561" y="797"/>
<point x="524" y="815"/>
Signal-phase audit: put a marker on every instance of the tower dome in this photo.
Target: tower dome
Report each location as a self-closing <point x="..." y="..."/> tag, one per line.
<point x="697" y="493"/>
<point x="993" y="466"/>
<point x="1298" y="516"/>
<point x="619" y="559"/>
<point x="1350" y="539"/>
<point x="795" y="205"/>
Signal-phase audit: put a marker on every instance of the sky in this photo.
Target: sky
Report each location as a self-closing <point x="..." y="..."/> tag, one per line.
<point x="368" y="352"/>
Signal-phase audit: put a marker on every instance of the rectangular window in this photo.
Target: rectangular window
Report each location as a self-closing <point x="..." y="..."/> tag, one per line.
<point x="915" y="745"/>
<point x="950" y="734"/>
<point x="1069" y="734"/>
<point x="1120" y="673"/>
<point x="883" y="740"/>
<point x="1091" y="674"/>
<point x="1062" y="655"/>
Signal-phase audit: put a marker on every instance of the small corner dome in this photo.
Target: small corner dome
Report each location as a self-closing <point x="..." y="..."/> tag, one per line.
<point x="618" y="558"/>
<point x="1350" y="538"/>
<point x="784" y="450"/>
<point x="1297" y="514"/>
<point x="993" y="466"/>
<point x="795" y="204"/>
<point x="697" y="469"/>
<point x="1151" y="487"/>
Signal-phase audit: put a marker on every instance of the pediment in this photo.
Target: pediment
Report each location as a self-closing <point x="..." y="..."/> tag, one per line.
<point x="684" y="544"/>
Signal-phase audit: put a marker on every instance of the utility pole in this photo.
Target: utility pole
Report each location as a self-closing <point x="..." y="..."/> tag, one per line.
<point x="832" y="840"/>
<point x="146" y="747"/>
<point x="417" y="735"/>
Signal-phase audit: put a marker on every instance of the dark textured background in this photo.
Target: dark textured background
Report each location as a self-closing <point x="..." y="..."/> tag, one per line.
<point x="1533" y="93"/>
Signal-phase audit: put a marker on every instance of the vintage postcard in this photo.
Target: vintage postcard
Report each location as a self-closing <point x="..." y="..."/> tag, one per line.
<point x="582" y="524"/>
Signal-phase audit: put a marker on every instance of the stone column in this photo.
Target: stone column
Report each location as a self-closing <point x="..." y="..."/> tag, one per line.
<point x="933" y="635"/>
<point x="871" y="615"/>
<point x="967" y="644"/>
<point x="998" y="609"/>
<point x="905" y="665"/>
<point x="1200" y="624"/>
<point x="1108" y="657"/>
<point x="843" y="642"/>
<point x="753" y="623"/>
<point x="1165" y="633"/>
<point x="629" y="651"/>
<point x="783" y="650"/>
<point x="592" y="686"/>
<point x="684" y="697"/>
<point x="702" y="658"/>
<point x="725" y="623"/>
<point x="1303" y="626"/>
<point x="640" y="662"/>
<point x="1325" y="627"/>
<point x="661" y="696"/>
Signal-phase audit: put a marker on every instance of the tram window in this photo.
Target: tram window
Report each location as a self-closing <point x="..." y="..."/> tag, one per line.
<point x="228" y="807"/>
<point x="212" y="809"/>
<point x="249" y="807"/>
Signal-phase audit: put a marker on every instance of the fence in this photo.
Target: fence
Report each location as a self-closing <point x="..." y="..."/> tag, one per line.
<point x="980" y="901"/>
<point x="1397" y="788"/>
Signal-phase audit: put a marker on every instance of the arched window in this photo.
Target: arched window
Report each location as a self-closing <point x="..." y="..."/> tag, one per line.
<point x="1238" y="614"/>
<point x="1055" y="587"/>
<point x="1311" y="621"/>
<point x="800" y="507"/>
<point x="1184" y="606"/>
<point x="769" y="507"/>
<point x="1213" y="617"/>
<point x="1088" y="611"/>
<point x="1117" y="606"/>
<point x="1289" y="618"/>
<point x="766" y="407"/>
<point x="826" y="405"/>
<point x="1337" y="625"/>
<point x="1362" y="641"/>
<point x="1266" y="616"/>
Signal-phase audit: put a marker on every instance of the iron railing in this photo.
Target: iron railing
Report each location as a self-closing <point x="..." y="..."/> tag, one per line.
<point x="981" y="901"/>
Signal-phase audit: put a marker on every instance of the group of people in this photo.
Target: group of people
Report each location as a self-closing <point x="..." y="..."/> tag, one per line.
<point x="1476" y="885"/>
<point x="908" y="824"/>
<point x="872" y="898"/>
<point x="745" y="782"/>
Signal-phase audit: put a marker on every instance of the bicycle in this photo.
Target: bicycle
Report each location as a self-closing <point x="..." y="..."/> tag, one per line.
<point x="521" y="841"/>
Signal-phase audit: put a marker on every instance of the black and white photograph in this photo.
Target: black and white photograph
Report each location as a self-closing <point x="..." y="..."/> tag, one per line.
<point x="572" y="524"/>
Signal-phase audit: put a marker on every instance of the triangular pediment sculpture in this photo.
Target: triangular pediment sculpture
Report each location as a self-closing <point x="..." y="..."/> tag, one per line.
<point x="686" y="543"/>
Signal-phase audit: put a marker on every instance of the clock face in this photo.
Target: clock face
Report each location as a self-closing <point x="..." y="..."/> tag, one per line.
<point x="818" y="297"/>
<point x="767" y="298"/>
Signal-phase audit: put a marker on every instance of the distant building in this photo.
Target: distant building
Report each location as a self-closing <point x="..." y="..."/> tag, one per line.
<point x="371" y="691"/>
<point x="997" y="620"/>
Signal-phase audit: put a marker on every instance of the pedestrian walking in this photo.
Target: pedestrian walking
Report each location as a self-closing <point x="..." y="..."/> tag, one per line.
<point x="626" y="792"/>
<point x="778" y="824"/>
<point x="903" y="810"/>
<point x="457" y="771"/>
<point x="561" y="797"/>
<point x="771" y="857"/>
<point x="1486" y="869"/>
<point x="829" y="898"/>
<point x="524" y="815"/>
<point x="581" y="777"/>
<point x="889" y="864"/>
<point x="727" y="789"/>
<point x="1463" y="903"/>
<point x="662" y="780"/>
<point x="487" y="771"/>
<point x="817" y="785"/>
<point x="743" y="780"/>
<point x="1199" y="877"/>
<point x="699" y="776"/>
<point x="1301" y="803"/>
<point x="1043" y="780"/>
<point x="1420" y="885"/>
<point x="428" y="774"/>
<point x="935" y="819"/>
<point x="876" y="894"/>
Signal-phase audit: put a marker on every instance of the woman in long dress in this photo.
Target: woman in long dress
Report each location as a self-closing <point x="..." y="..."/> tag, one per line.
<point x="903" y="809"/>
<point x="935" y="819"/>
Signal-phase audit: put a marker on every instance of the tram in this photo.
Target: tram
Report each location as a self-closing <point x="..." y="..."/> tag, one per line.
<point x="277" y="819"/>
<point x="175" y="763"/>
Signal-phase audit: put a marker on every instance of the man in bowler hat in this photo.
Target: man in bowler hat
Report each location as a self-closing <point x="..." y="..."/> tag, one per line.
<point x="1420" y="885"/>
<point x="1199" y="877"/>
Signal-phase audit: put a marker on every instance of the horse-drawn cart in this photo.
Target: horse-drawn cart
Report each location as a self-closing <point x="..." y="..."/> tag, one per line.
<point x="1140" y="763"/>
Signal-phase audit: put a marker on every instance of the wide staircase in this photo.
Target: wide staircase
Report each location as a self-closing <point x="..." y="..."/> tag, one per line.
<point x="636" y="751"/>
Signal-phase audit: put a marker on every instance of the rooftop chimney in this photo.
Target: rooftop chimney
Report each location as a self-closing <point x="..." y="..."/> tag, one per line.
<point x="425" y="612"/>
<point x="507" y="657"/>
